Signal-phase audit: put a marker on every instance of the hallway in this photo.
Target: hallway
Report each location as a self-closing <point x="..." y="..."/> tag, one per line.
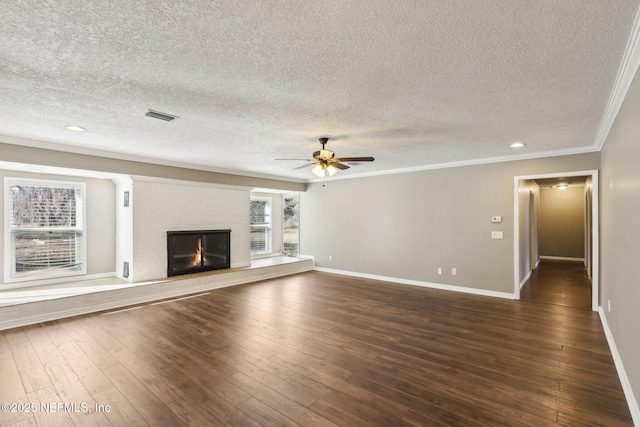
<point x="559" y="283"/>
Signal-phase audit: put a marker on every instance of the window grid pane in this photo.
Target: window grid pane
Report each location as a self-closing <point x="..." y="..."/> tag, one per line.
<point x="260" y="219"/>
<point x="42" y="251"/>
<point x="291" y="233"/>
<point x="260" y="239"/>
<point x="45" y="221"/>
<point x="35" y="206"/>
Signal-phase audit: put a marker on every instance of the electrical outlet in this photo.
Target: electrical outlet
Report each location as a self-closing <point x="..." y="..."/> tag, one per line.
<point x="454" y="271"/>
<point x="330" y="258"/>
<point x="609" y="306"/>
<point x="439" y="271"/>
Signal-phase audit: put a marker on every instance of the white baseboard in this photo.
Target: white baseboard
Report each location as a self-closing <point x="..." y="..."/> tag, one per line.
<point x="560" y="258"/>
<point x="441" y="286"/>
<point x="523" y="281"/>
<point x="624" y="380"/>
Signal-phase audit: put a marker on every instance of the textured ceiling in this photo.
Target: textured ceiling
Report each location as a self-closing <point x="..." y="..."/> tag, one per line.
<point x="410" y="83"/>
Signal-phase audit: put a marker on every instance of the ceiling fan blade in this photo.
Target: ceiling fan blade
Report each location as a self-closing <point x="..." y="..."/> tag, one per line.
<point x="354" y="159"/>
<point x="339" y="165"/>
<point x="304" y="166"/>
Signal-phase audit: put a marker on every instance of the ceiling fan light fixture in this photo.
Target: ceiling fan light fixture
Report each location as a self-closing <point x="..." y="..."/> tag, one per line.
<point x="327" y="154"/>
<point x="319" y="170"/>
<point x="325" y="161"/>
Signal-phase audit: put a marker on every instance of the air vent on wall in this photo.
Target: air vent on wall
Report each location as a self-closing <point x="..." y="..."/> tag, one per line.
<point x="158" y="115"/>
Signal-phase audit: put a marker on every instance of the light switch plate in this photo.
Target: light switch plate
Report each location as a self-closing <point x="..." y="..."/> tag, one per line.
<point x="496" y="235"/>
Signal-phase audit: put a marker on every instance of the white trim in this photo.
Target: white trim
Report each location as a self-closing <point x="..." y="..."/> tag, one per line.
<point x="516" y="236"/>
<point x="441" y="286"/>
<point x="268" y="252"/>
<point x="561" y="258"/>
<point x="622" y="374"/>
<point x="626" y="74"/>
<point x="474" y="162"/>
<point x="266" y="255"/>
<point x="523" y="281"/>
<point x="54" y="281"/>
<point x="4" y="139"/>
<point x="173" y="181"/>
<point x="595" y="242"/>
<point x="595" y="278"/>
<point x="118" y="156"/>
<point x="9" y="267"/>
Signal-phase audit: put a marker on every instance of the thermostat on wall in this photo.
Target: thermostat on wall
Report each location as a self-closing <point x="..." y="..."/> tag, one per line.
<point x="496" y="219"/>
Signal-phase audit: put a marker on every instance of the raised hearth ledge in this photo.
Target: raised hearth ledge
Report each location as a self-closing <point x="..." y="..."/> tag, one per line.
<point x="30" y="306"/>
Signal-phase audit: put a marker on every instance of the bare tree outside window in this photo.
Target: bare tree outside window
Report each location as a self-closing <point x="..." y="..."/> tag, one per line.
<point x="46" y="228"/>
<point x="260" y="211"/>
<point x="291" y="225"/>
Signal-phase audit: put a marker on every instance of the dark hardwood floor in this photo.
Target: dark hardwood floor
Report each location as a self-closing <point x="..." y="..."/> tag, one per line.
<point x="317" y="349"/>
<point x="559" y="282"/>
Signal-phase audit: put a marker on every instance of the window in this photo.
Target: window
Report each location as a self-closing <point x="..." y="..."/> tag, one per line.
<point x="44" y="229"/>
<point x="290" y="226"/>
<point x="260" y="225"/>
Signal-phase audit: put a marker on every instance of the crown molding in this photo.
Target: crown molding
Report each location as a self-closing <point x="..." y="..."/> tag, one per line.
<point x="105" y="154"/>
<point x="5" y="139"/>
<point x="509" y="158"/>
<point x="626" y="74"/>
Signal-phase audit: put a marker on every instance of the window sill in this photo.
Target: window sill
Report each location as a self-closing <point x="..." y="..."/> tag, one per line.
<point x="265" y="255"/>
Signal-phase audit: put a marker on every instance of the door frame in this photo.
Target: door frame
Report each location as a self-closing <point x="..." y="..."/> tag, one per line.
<point x="595" y="241"/>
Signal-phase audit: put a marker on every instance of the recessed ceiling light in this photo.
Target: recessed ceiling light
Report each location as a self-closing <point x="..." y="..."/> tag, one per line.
<point x="76" y="128"/>
<point x="517" y="145"/>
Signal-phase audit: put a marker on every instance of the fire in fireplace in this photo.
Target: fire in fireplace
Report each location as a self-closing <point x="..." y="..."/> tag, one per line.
<point x="197" y="251"/>
<point x="197" y="260"/>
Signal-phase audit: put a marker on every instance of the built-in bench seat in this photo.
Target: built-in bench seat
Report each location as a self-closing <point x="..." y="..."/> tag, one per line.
<point x="38" y="304"/>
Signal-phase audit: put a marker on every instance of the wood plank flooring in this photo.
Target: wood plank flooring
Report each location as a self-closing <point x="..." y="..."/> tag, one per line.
<point x="317" y="349"/>
<point x="559" y="282"/>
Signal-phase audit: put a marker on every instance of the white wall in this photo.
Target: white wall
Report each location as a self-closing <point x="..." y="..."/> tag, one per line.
<point x="160" y="206"/>
<point x="124" y="227"/>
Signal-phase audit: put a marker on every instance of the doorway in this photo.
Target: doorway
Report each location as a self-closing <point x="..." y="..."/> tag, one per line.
<point x="525" y="226"/>
<point x="559" y="282"/>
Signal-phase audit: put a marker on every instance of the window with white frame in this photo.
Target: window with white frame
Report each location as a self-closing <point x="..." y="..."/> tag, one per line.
<point x="44" y="229"/>
<point x="291" y="225"/>
<point x="260" y="212"/>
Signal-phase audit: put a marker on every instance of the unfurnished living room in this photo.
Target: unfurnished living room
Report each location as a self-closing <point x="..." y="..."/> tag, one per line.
<point x="322" y="213"/>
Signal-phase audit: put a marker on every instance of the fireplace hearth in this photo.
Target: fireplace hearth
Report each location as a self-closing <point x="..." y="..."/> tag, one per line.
<point x="197" y="251"/>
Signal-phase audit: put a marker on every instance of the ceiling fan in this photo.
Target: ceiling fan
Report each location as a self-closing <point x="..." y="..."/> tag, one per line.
<point x="326" y="162"/>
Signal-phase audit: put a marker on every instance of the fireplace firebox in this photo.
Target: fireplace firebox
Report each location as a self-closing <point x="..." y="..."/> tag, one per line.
<point x="198" y="251"/>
